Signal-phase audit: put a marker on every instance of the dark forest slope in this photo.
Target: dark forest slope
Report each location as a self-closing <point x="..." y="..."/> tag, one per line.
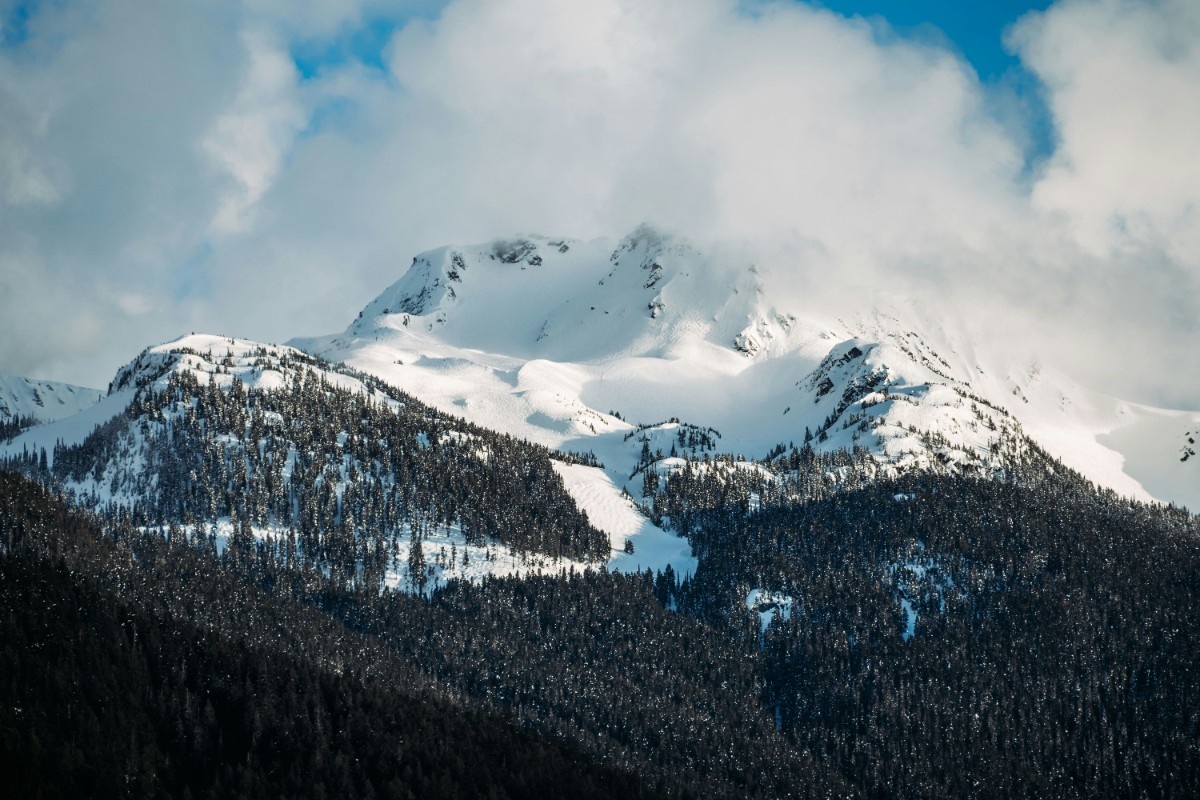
<point x="101" y="698"/>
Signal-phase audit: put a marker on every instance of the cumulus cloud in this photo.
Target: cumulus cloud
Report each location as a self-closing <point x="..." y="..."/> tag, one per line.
<point x="1123" y="182"/>
<point x="1124" y="84"/>
<point x="792" y="122"/>
<point x="25" y="181"/>
<point x="248" y="141"/>
<point x="224" y="190"/>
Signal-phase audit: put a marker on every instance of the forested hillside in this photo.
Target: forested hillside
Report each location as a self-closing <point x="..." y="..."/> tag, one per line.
<point x="938" y="635"/>
<point x="928" y="637"/>
<point x="108" y="692"/>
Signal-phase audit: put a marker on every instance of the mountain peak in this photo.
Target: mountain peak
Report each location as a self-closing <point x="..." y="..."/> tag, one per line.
<point x="543" y="338"/>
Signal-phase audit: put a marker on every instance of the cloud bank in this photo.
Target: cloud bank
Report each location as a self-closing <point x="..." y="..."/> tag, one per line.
<point x="169" y="168"/>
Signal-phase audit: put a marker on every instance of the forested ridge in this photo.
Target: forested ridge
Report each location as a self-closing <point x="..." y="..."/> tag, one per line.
<point x="335" y="473"/>
<point x="11" y="426"/>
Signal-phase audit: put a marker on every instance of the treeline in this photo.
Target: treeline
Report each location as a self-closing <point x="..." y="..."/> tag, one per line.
<point x="11" y="426"/>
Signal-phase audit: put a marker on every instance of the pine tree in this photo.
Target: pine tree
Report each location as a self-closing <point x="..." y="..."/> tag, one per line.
<point x="416" y="562"/>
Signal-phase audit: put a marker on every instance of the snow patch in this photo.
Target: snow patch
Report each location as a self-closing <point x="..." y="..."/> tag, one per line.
<point x="767" y="604"/>
<point x="614" y="512"/>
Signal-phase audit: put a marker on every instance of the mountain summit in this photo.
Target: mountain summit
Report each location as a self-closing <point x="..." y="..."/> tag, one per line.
<point x="574" y="344"/>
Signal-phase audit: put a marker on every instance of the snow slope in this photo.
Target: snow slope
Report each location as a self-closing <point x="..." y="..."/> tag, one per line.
<point x="574" y="344"/>
<point x="221" y="360"/>
<point x="42" y="400"/>
<point x="616" y="514"/>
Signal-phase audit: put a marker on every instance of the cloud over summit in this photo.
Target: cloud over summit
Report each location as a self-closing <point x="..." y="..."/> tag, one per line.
<point x="179" y="156"/>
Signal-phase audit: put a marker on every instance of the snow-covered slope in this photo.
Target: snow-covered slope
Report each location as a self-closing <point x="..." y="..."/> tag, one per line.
<point x="573" y="344"/>
<point x="286" y="429"/>
<point x="43" y="401"/>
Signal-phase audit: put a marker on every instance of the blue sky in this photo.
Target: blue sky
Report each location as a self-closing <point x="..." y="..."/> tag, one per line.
<point x="976" y="29"/>
<point x="14" y="22"/>
<point x="364" y="43"/>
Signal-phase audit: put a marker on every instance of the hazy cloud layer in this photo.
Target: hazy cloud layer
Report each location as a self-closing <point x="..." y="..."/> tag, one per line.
<point x="168" y="167"/>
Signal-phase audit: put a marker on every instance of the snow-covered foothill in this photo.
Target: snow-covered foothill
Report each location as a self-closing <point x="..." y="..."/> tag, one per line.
<point x="69" y="430"/>
<point x="636" y="544"/>
<point x="219" y="359"/>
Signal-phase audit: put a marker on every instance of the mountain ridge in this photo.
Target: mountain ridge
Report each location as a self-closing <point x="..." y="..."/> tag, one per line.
<point x="264" y="442"/>
<point x="25" y="402"/>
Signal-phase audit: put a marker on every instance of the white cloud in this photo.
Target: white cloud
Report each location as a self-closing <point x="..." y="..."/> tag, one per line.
<point x="25" y="175"/>
<point x="861" y="156"/>
<point x="1123" y="81"/>
<point x="249" y="140"/>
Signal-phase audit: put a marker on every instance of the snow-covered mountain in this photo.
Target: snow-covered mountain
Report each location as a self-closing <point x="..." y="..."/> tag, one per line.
<point x="25" y="399"/>
<point x="628" y="354"/>
<point x="577" y="345"/>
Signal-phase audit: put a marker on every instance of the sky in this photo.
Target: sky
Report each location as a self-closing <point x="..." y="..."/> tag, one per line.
<point x="263" y="168"/>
